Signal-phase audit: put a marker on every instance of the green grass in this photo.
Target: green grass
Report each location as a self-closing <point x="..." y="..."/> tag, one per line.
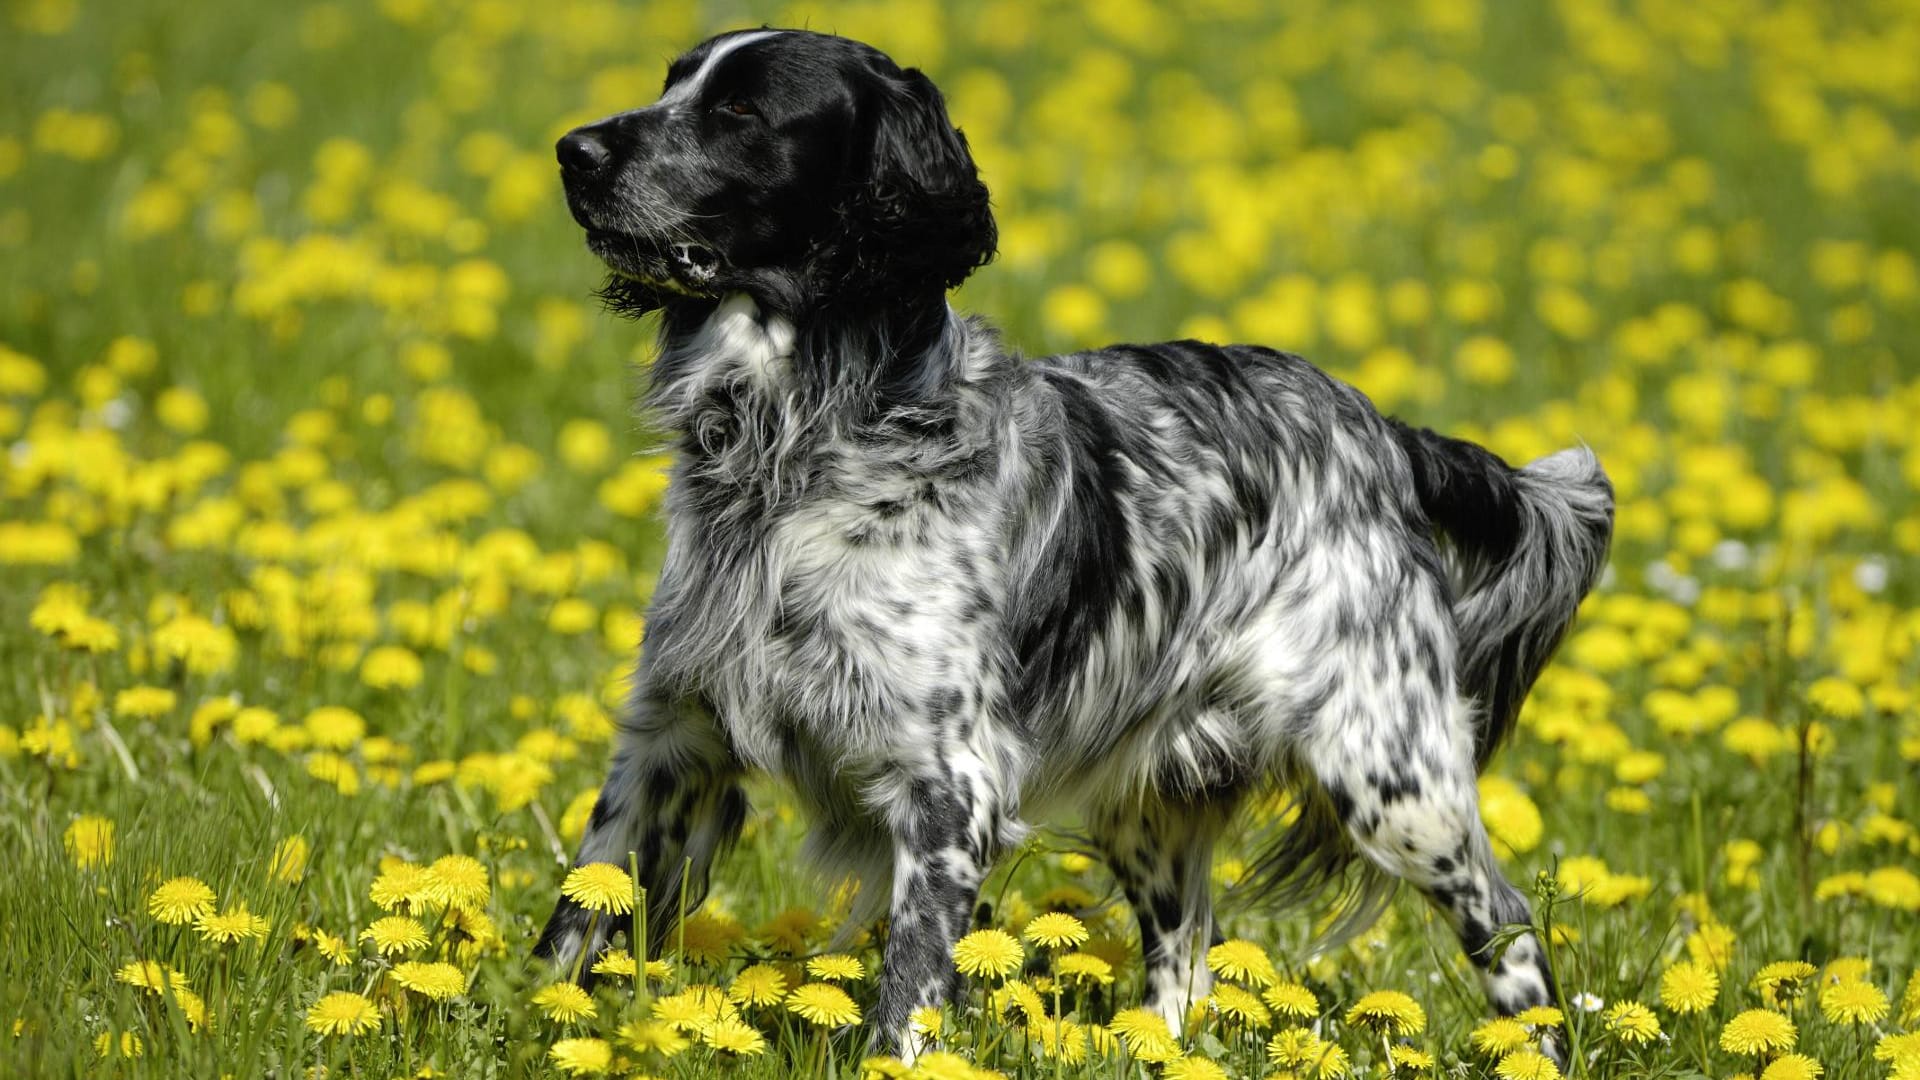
<point x="1691" y="229"/>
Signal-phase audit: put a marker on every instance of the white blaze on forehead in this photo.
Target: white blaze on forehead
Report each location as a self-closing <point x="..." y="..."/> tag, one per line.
<point x="689" y="88"/>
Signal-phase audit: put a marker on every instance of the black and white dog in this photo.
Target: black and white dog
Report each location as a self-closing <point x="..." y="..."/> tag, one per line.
<point x="943" y="590"/>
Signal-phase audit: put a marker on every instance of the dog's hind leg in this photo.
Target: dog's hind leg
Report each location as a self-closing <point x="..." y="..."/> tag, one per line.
<point x="1395" y="757"/>
<point x="1161" y="852"/>
<point x="673" y="798"/>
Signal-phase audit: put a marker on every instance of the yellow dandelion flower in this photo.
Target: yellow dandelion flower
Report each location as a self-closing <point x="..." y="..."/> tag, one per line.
<point x="687" y="1010"/>
<point x="1238" y="1005"/>
<point x="1019" y="996"/>
<point x="1632" y="1022"/>
<point x="1410" y="1058"/>
<point x="332" y="727"/>
<point x="1836" y="697"/>
<point x="927" y="1020"/>
<point x="1063" y="1040"/>
<point x="761" y="984"/>
<point x="1500" y="1036"/>
<point x="1193" y="1068"/>
<point x="1242" y="961"/>
<point x="342" y="1013"/>
<point x="395" y="934"/>
<point x="1527" y="1064"/>
<point x="127" y="1046"/>
<point x="653" y="1036"/>
<point x="335" y="949"/>
<point x="151" y="975"/>
<point x="1894" y="887"/>
<point x="946" y="1065"/>
<point x="988" y="954"/>
<point x="1792" y="1067"/>
<point x="1540" y="1016"/>
<point x="1847" y="969"/>
<point x="1307" y="1054"/>
<point x="1757" y="1031"/>
<point x="1055" y="930"/>
<point x="1782" y="980"/>
<point x="193" y="1007"/>
<point x="1853" y="1001"/>
<point x="234" y="924"/>
<point x="144" y="702"/>
<point x="89" y="841"/>
<point x="1145" y="1034"/>
<point x="1292" y="999"/>
<point x="734" y="1036"/>
<point x="1898" y="1048"/>
<point x="392" y="667"/>
<point x="458" y="881"/>
<point x="615" y="962"/>
<point x="581" y="1057"/>
<point x="1689" y="987"/>
<point x="790" y="930"/>
<point x="823" y="1004"/>
<point x="1389" y="1011"/>
<point x="883" y="1068"/>
<point x="399" y="883"/>
<point x="180" y="900"/>
<point x="1084" y="968"/>
<point x="437" y="980"/>
<point x="1712" y="945"/>
<point x="836" y="967"/>
<point x="565" y="1002"/>
<point x="289" y="863"/>
<point x="710" y="936"/>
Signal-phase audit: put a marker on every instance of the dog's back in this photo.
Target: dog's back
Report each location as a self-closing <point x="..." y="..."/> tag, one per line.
<point x="1199" y="477"/>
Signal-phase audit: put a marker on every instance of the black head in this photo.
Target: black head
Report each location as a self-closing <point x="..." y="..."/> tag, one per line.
<point x="807" y="170"/>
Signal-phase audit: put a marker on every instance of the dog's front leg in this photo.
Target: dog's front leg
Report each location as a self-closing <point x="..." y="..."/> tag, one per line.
<point x="944" y="823"/>
<point x="672" y="798"/>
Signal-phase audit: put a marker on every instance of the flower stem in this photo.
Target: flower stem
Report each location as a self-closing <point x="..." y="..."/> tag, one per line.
<point x="580" y="958"/>
<point x="639" y="930"/>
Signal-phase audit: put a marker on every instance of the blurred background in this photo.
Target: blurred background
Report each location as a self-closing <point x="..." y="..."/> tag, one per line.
<point x="1464" y="204"/>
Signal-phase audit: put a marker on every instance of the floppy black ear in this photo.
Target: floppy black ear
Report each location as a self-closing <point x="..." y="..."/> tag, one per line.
<point x="916" y="218"/>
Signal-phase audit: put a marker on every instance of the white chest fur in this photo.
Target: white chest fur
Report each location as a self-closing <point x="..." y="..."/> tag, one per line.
<point x="821" y="589"/>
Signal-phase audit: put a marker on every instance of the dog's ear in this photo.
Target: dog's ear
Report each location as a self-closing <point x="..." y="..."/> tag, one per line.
<point x="916" y="217"/>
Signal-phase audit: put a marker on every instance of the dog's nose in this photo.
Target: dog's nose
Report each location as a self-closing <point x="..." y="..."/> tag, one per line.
<point x="581" y="152"/>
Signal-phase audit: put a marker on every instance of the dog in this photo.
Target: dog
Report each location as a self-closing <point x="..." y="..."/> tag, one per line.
<point x="943" y="590"/>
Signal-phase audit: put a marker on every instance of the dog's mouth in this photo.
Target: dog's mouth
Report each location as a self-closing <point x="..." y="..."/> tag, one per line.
<point x="681" y="266"/>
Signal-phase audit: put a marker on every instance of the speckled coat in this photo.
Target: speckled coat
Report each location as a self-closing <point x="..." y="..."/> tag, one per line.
<point x="946" y="592"/>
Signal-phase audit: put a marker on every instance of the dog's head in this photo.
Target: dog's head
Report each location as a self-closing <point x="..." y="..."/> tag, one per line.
<point x="804" y="169"/>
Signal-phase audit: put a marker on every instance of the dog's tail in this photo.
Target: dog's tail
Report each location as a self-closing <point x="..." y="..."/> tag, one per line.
<point x="1523" y="547"/>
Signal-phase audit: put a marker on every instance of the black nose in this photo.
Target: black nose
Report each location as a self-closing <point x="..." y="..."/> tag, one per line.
<point x="581" y="152"/>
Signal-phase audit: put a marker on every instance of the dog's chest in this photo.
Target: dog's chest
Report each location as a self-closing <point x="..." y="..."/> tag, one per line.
<point x="834" y="629"/>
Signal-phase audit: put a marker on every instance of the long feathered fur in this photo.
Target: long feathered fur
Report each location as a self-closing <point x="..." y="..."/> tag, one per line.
<point x="1525" y="546"/>
<point x="944" y="591"/>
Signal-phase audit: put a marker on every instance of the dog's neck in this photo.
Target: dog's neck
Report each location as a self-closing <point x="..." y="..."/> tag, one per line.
<point x="754" y="396"/>
<point x="863" y="359"/>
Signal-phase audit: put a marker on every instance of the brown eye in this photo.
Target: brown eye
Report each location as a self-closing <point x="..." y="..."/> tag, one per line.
<point x="739" y="108"/>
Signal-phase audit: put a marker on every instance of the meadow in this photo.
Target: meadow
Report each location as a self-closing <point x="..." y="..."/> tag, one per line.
<point x="328" y="524"/>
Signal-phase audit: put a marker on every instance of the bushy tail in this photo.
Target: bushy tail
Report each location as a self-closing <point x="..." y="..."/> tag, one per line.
<point x="1524" y="546"/>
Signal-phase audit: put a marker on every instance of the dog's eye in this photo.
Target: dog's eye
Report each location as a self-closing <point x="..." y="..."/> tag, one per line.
<point x="739" y="108"/>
